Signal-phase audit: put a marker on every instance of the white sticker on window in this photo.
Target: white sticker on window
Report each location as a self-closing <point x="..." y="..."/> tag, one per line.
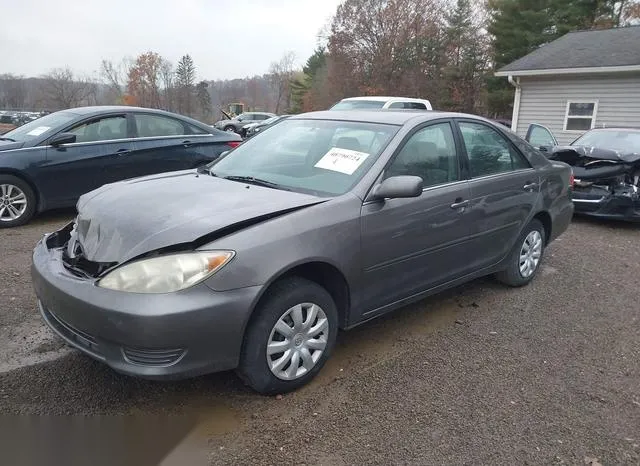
<point x="341" y="160"/>
<point x="38" y="131"/>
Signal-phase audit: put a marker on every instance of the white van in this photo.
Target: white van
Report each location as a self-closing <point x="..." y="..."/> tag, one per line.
<point x="376" y="102"/>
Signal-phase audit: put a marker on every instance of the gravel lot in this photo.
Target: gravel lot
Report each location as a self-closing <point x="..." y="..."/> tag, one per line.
<point x="546" y="374"/>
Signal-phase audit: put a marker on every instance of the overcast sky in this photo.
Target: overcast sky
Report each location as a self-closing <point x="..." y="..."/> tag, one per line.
<point x="226" y="38"/>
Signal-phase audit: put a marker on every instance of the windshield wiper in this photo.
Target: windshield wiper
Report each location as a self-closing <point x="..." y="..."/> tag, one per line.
<point x="7" y="139"/>
<point x="256" y="181"/>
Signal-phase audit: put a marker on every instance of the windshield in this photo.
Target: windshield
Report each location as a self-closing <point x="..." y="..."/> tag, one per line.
<point x="36" y="128"/>
<point x="620" y="140"/>
<point x="357" y="104"/>
<point x="323" y="157"/>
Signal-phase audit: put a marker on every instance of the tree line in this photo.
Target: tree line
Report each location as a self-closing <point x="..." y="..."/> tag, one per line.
<point x="445" y="51"/>
<point x="442" y="50"/>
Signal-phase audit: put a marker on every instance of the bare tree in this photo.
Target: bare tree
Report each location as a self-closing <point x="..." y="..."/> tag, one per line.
<point x="13" y="91"/>
<point x="167" y="79"/>
<point x="280" y="74"/>
<point x="62" y="89"/>
<point x="115" y="76"/>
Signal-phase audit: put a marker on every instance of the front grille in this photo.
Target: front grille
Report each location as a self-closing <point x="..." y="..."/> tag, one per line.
<point x="153" y="357"/>
<point x="81" y="267"/>
<point x="83" y="339"/>
<point x="75" y="261"/>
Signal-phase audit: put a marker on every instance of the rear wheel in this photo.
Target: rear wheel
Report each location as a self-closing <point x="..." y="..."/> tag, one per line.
<point x="525" y="258"/>
<point x="229" y="129"/>
<point x="290" y="337"/>
<point x="17" y="201"/>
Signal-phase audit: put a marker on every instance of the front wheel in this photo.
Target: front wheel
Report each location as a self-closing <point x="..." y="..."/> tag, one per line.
<point x="290" y="337"/>
<point x="524" y="261"/>
<point x="229" y="129"/>
<point x="17" y="201"/>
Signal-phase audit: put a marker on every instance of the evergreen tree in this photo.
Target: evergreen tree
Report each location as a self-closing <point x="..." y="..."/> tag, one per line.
<point x="204" y="98"/>
<point x="303" y="82"/>
<point x="185" y="80"/>
<point x="467" y="59"/>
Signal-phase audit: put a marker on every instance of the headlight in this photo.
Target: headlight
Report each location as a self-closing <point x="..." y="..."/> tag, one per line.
<point x="165" y="274"/>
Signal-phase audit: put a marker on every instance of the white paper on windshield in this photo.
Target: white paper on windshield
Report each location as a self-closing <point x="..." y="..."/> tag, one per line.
<point x="38" y="131"/>
<point x="342" y="160"/>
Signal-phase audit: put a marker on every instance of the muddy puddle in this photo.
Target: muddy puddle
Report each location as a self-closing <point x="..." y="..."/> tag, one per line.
<point x="139" y="439"/>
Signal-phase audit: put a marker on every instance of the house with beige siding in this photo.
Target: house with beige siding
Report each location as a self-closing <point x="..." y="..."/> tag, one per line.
<point x="583" y="80"/>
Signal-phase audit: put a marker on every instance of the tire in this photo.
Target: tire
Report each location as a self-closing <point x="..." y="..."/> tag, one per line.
<point x="513" y="275"/>
<point x="254" y="368"/>
<point x="24" y="201"/>
<point x="229" y="129"/>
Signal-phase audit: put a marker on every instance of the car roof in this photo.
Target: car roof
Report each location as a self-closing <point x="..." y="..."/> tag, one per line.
<point x="390" y="117"/>
<point x="378" y="98"/>
<point x="616" y="128"/>
<point x="97" y="109"/>
<point x="113" y="108"/>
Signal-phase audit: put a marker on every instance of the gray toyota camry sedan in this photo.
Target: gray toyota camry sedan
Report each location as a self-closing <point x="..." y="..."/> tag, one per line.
<point x="322" y="222"/>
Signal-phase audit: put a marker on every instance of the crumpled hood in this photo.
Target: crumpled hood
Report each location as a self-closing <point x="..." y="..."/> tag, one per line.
<point x="120" y="221"/>
<point x="596" y="153"/>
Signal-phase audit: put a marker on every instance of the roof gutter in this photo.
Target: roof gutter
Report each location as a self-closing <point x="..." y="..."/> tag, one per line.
<point x="516" y="102"/>
<point x="579" y="70"/>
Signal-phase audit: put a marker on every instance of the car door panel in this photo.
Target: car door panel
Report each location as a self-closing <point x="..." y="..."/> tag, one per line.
<point x="411" y="245"/>
<point x="74" y="169"/>
<point x="504" y="191"/>
<point x="541" y="137"/>
<point x="498" y="209"/>
<point x="159" y="148"/>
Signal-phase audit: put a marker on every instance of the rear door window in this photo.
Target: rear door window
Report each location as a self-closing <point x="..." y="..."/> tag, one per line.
<point x="489" y="153"/>
<point x="158" y="125"/>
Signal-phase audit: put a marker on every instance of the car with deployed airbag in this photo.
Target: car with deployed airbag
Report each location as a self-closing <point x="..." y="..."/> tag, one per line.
<point x="326" y="220"/>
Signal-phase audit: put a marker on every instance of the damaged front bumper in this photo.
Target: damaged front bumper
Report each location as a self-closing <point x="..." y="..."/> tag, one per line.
<point x="615" y="202"/>
<point x="154" y="336"/>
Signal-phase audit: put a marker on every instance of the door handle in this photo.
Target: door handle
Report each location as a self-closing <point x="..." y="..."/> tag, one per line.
<point x="530" y="186"/>
<point x="459" y="204"/>
<point x="123" y="151"/>
<point x="186" y="143"/>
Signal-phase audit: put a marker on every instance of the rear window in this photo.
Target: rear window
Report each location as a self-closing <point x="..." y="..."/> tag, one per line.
<point x="357" y="104"/>
<point x="409" y="105"/>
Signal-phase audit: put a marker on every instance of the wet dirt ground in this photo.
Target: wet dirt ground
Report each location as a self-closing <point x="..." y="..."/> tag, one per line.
<point x="482" y="374"/>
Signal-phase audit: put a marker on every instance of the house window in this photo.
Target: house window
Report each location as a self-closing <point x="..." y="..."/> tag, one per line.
<point x="580" y="116"/>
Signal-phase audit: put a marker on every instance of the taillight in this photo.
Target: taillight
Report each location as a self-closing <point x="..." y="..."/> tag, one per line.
<point x="234" y="144"/>
<point x="572" y="180"/>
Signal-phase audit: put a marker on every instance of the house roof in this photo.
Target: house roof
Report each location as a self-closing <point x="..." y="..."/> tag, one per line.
<point x="592" y="51"/>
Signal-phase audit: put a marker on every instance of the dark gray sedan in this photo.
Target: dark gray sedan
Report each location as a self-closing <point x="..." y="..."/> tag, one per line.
<point x="323" y="222"/>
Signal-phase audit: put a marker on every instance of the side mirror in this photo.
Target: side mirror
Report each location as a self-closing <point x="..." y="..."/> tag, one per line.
<point x="398" y="187"/>
<point x="62" y="138"/>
